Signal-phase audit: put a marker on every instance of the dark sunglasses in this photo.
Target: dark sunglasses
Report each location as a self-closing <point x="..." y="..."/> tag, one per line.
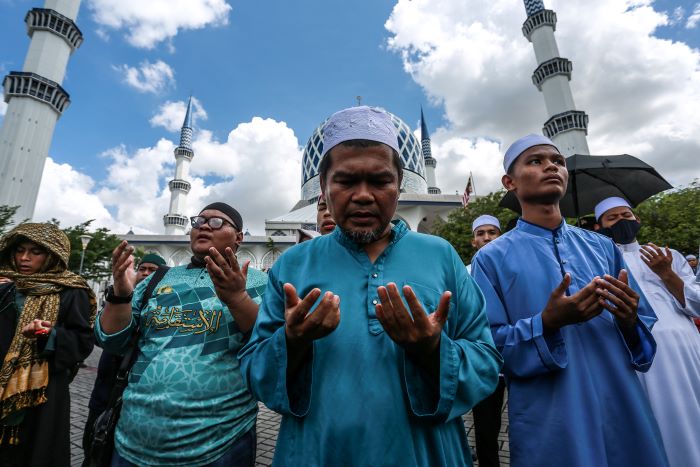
<point x="214" y="222"/>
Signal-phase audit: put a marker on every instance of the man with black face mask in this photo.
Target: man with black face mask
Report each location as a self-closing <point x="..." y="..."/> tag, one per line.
<point x="667" y="281"/>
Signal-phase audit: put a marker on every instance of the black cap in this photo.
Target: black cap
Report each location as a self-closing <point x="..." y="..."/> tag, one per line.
<point x="229" y="211"/>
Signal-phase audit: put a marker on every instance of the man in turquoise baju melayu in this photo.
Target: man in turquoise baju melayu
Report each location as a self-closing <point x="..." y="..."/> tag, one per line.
<point x="397" y="346"/>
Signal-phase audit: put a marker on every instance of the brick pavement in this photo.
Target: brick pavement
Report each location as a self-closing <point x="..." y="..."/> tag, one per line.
<point x="267" y="426"/>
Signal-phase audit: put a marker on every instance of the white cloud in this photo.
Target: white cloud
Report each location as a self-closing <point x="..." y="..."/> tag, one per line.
<point x="160" y="20"/>
<point x="694" y="17"/>
<point x="3" y="107"/>
<point x="256" y="170"/>
<point x="148" y="77"/>
<point x="68" y="195"/>
<point x="641" y="92"/>
<point x="171" y="114"/>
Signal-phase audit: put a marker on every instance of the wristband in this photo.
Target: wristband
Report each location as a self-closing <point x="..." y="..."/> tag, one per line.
<point x="117" y="299"/>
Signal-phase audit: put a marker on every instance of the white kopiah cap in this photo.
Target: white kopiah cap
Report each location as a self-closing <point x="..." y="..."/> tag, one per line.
<point x="609" y="203"/>
<point x="360" y="122"/>
<point x="523" y="144"/>
<point x="485" y="220"/>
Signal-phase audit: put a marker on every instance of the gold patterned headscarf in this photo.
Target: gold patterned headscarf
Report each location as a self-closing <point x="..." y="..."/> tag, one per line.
<point x="24" y="375"/>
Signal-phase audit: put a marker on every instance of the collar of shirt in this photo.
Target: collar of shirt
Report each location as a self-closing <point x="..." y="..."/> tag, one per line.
<point x="397" y="232"/>
<point x="196" y="263"/>
<point x="630" y="247"/>
<point x="539" y="231"/>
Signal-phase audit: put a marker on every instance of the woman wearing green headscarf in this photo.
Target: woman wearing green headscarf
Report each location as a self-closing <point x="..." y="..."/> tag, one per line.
<point x="46" y="317"/>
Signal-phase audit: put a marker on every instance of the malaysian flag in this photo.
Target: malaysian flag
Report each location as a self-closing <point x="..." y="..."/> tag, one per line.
<point x="468" y="191"/>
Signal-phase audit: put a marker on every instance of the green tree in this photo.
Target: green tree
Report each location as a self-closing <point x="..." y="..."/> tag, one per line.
<point x="98" y="254"/>
<point x="672" y="219"/>
<point x="458" y="228"/>
<point x="6" y="215"/>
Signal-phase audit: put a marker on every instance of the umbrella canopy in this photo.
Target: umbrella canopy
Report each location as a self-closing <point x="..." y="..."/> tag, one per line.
<point x="594" y="178"/>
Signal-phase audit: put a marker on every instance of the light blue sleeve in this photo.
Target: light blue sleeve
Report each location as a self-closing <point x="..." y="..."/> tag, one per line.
<point x="469" y="361"/>
<point x="264" y="358"/>
<point x="526" y="351"/>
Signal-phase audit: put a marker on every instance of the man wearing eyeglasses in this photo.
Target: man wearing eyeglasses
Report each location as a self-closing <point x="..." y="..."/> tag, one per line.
<point x="186" y="403"/>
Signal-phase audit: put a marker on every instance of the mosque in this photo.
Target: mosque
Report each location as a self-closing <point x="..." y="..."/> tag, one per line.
<point x="36" y="100"/>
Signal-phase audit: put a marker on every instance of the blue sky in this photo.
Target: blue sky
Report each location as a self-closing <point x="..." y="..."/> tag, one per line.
<point x="294" y="63"/>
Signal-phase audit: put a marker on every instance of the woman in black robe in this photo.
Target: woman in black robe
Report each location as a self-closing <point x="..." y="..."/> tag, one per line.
<point x="46" y="317"/>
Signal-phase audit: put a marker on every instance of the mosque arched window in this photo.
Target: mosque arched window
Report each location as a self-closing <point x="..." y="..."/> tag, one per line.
<point x="244" y="255"/>
<point x="270" y="258"/>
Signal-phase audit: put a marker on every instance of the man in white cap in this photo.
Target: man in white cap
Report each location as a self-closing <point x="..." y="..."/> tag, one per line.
<point x="569" y="328"/>
<point x="487" y="413"/>
<point x="388" y="382"/>
<point x="667" y="281"/>
<point x="693" y="262"/>
<point x="485" y="228"/>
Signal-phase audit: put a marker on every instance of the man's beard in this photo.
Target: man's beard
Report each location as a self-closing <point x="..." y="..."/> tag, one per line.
<point x="364" y="237"/>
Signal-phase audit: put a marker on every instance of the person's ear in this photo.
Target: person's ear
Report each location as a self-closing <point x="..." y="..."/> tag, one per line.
<point x="638" y="219"/>
<point x="473" y="243"/>
<point x="508" y="182"/>
<point x="238" y="240"/>
<point x="596" y="227"/>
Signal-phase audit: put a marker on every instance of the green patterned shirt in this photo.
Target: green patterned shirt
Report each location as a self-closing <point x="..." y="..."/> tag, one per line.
<point x="186" y="402"/>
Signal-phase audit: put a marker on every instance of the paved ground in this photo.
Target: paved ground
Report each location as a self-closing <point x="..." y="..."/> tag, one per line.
<point x="267" y="427"/>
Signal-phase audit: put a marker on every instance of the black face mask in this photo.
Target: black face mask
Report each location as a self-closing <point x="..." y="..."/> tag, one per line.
<point x="622" y="232"/>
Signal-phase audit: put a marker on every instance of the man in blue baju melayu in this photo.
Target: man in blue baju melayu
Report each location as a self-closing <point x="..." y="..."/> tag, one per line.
<point x="397" y="346"/>
<point x="571" y="330"/>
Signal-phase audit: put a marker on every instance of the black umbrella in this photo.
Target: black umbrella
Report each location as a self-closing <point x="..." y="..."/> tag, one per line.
<point x="594" y="178"/>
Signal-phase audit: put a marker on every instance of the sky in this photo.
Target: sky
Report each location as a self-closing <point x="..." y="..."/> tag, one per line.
<point x="264" y="74"/>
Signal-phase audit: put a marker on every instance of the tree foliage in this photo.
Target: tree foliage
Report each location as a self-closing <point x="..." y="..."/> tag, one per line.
<point x="672" y="219"/>
<point x="6" y="215"/>
<point x="98" y="254"/>
<point x="458" y="228"/>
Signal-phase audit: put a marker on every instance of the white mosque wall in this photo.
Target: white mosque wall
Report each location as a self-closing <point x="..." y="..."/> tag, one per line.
<point x="182" y="169"/>
<point x="557" y="95"/>
<point x="25" y="139"/>
<point x="67" y="8"/>
<point x="571" y="142"/>
<point x="175" y="249"/>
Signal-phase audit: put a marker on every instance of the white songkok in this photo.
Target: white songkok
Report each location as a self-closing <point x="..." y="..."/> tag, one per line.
<point x="522" y="145"/>
<point x="361" y="122"/>
<point x="690" y="257"/>
<point x="485" y="220"/>
<point x="609" y="203"/>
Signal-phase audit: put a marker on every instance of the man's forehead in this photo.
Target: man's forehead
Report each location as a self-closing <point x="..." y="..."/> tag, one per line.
<point x="617" y="210"/>
<point x="148" y="265"/>
<point x="541" y="149"/>
<point x="356" y="159"/>
<point x="486" y="227"/>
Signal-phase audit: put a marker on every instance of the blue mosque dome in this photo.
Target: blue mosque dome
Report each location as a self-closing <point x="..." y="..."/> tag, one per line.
<point x="410" y="151"/>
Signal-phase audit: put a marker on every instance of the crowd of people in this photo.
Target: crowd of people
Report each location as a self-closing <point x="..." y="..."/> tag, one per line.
<point x="372" y="341"/>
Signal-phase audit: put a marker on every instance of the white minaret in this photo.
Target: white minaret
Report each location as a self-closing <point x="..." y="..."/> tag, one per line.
<point x="175" y="220"/>
<point x="566" y="126"/>
<point x="430" y="162"/>
<point x="35" y="101"/>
